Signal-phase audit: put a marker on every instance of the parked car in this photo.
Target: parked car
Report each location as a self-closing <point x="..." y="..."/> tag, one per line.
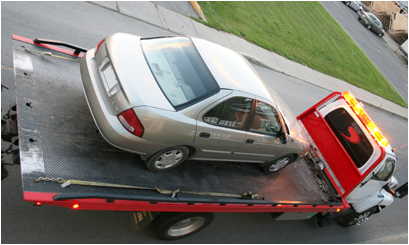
<point x="169" y="99"/>
<point x="355" y="5"/>
<point x="371" y="23"/>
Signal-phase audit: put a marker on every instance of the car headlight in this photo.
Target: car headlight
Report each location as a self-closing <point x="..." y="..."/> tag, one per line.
<point x="109" y="78"/>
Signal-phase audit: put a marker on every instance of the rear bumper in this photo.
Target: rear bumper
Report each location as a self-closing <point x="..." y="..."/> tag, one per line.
<point x="108" y="125"/>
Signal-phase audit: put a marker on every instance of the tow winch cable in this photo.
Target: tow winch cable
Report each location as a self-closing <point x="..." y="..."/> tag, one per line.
<point x="64" y="183"/>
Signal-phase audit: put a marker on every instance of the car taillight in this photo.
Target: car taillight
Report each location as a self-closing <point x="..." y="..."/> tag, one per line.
<point x="365" y="119"/>
<point x="131" y="122"/>
<point x="99" y="45"/>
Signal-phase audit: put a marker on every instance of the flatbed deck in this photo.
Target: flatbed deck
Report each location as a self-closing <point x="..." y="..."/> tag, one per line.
<point x="58" y="139"/>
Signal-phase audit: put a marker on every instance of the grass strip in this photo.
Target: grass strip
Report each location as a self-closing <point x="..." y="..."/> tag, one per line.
<point x="305" y="33"/>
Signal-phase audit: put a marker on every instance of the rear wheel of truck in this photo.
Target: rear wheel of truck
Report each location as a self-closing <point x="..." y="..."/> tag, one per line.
<point x="171" y="226"/>
<point x="356" y="218"/>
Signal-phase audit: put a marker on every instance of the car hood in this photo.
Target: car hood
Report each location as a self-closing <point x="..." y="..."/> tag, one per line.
<point x="295" y="128"/>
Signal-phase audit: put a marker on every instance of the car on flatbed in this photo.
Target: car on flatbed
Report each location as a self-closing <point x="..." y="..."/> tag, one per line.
<point x="169" y="99"/>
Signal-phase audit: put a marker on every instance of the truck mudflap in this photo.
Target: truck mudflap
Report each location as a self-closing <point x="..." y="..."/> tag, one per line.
<point x="58" y="139"/>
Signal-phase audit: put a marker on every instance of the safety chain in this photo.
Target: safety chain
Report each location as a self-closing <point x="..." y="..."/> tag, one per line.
<point x="49" y="54"/>
<point x="58" y="180"/>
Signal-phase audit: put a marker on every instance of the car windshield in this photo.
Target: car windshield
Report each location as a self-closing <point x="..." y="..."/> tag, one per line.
<point x="372" y="17"/>
<point x="179" y="70"/>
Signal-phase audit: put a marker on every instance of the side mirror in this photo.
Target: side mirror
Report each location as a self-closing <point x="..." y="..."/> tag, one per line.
<point x="283" y="138"/>
<point x="401" y="192"/>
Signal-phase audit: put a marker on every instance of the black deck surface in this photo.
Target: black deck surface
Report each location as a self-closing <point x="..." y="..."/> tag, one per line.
<point x="59" y="139"/>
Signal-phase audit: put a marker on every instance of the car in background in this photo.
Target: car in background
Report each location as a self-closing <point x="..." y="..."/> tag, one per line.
<point x="169" y="99"/>
<point x="355" y="5"/>
<point x="371" y="22"/>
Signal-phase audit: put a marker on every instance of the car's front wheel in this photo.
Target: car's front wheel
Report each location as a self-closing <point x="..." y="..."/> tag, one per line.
<point x="279" y="164"/>
<point x="369" y="27"/>
<point x="167" y="159"/>
<point x="380" y="35"/>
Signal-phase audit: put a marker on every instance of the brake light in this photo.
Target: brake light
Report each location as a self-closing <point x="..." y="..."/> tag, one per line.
<point x="99" y="45"/>
<point x="131" y="122"/>
<point x="365" y="119"/>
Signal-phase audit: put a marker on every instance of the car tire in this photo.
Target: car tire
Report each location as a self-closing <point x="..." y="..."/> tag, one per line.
<point x="278" y="164"/>
<point x="380" y="35"/>
<point x="167" y="159"/>
<point x="369" y="27"/>
<point x="355" y="218"/>
<point x="171" y="226"/>
<point x="348" y="3"/>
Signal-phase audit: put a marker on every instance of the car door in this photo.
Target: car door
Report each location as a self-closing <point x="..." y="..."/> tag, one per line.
<point x="262" y="143"/>
<point x="221" y="127"/>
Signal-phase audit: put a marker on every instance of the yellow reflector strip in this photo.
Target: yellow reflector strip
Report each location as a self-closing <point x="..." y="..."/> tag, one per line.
<point x="365" y="119"/>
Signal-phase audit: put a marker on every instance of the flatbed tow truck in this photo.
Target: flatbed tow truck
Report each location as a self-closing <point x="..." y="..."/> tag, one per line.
<point x="66" y="162"/>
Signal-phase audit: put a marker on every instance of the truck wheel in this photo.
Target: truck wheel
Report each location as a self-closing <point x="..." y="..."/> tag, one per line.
<point x="171" y="226"/>
<point x="356" y="218"/>
<point x="167" y="159"/>
<point x="279" y="164"/>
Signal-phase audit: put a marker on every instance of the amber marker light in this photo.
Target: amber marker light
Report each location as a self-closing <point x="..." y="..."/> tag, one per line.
<point x="365" y="119"/>
<point x="38" y="204"/>
<point x="75" y="206"/>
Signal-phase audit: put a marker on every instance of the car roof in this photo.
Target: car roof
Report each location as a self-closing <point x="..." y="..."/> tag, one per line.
<point x="231" y="70"/>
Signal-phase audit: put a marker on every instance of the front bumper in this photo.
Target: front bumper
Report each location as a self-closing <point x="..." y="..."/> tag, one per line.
<point x="108" y="125"/>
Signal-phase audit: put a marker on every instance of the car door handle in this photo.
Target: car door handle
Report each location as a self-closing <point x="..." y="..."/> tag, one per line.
<point x="249" y="141"/>
<point x="204" y="135"/>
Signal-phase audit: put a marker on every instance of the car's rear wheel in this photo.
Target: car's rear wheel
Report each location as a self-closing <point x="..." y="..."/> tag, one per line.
<point x="167" y="159"/>
<point x="278" y="164"/>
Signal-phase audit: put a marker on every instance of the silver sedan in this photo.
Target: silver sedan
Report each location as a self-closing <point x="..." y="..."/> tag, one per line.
<point x="169" y="99"/>
<point x="371" y="22"/>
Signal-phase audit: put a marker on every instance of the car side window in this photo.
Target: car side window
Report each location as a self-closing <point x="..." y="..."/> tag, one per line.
<point x="231" y="113"/>
<point x="266" y="120"/>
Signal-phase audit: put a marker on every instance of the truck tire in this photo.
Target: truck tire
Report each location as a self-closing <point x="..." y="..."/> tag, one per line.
<point x="278" y="164"/>
<point x="167" y="159"/>
<point x="171" y="226"/>
<point x="355" y="218"/>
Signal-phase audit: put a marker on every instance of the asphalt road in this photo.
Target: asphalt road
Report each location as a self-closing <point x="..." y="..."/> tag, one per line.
<point x="85" y="24"/>
<point x="373" y="46"/>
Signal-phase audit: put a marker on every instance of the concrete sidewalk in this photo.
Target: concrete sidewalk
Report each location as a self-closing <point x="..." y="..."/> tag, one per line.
<point x="165" y="18"/>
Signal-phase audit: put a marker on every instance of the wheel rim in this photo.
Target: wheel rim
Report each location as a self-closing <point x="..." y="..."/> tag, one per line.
<point x="360" y="219"/>
<point x="186" y="226"/>
<point x="369" y="27"/>
<point x="281" y="163"/>
<point x="169" y="159"/>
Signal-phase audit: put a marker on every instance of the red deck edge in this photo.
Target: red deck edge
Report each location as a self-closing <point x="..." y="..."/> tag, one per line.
<point x="368" y="171"/>
<point x="48" y="46"/>
<point x="127" y="205"/>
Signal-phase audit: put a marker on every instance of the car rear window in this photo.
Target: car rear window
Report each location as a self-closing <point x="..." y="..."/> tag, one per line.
<point x="350" y="135"/>
<point x="179" y="70"/>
